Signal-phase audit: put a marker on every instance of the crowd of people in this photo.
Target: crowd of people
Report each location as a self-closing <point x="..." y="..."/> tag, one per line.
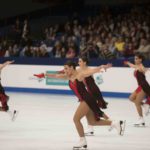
<point x="105" y="36"/>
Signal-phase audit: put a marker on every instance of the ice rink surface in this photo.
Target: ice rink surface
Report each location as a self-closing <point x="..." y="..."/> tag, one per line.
<point x="45" y="122"/>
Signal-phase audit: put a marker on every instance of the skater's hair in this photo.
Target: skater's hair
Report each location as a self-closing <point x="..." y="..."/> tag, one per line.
<point x="140" y="56"/>
<point x="71" y="64"/>
<point x="84" y="59"/>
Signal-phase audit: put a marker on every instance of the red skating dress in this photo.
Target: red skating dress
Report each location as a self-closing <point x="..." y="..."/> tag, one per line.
<point x="142" y="84"/>
<point x="80" y="91"/>
<point x="139" y="88"/>
<point x="3" y="98"/>
<point x="94" y="90"/>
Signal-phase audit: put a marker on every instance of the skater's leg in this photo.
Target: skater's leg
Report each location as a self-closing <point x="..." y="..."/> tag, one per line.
<point x="81" y="111"/>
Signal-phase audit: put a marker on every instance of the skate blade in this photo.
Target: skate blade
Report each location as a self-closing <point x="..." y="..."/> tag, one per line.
<point x="15" y="114"/>
<point x="80" y="148"/>
<point x="123" y="126"/>
<point x="89" y="134"/>
<point x="139" y="125"/>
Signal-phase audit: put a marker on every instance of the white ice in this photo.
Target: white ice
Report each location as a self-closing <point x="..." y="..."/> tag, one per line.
<point x="45" y="122"/>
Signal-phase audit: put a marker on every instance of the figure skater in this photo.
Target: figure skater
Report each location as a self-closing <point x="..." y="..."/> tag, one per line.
<point x="4" y="98"/>
<point x="143" y="88"/>
<point x="93" y="89"/>
<point x="76" y="80"/>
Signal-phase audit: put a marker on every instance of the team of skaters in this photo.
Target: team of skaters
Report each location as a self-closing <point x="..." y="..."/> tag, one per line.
<point x="91" y="101"/>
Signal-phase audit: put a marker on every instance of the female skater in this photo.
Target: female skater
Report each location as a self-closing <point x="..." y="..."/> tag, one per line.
<point x="3" y="97"/>
<point x="76" y="79"/>
<point x="143" y="87"/>
<point x="92" y="89"/>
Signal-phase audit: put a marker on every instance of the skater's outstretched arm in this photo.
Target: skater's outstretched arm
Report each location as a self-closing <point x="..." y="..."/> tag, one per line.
<point x="129" y="64"/>
<point x="92" y="71"/>
<point x="5" y="64"/>
<point x="57" y="76"/>
<point x="140" y="67"/>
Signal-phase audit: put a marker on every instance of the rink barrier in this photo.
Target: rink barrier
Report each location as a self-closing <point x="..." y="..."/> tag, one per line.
<point x="61" y="61"/>
<point x="62" y="92"/>
<point x="117" y="81"/>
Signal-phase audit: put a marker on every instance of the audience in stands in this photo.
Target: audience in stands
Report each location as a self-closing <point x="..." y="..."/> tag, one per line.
<point x="104" y="36"/>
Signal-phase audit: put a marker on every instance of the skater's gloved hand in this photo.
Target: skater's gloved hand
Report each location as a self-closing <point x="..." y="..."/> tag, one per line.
<point x="41" y="75"/>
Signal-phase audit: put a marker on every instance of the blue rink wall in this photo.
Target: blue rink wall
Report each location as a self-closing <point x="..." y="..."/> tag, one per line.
<point x="117" y="82"/>
<point x="63" y="92"/>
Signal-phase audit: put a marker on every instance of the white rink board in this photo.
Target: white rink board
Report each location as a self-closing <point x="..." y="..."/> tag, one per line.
<point x="116" y="79"/>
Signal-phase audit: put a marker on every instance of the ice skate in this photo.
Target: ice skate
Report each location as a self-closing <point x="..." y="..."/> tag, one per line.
<point x="82" y="145"/>
<point x="13" y="114"/>
<point x="140" y="123"/>
<point x="119" y="126"/>
<point x="90" y="131"/>
<point x="146" y="108"/>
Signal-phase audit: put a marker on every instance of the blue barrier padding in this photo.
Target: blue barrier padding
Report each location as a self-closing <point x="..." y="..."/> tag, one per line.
<point x="35" y="90"/>
<point x="116" y="94"/>
<point x="62" y="92"/>
<point x="61" y="61"/>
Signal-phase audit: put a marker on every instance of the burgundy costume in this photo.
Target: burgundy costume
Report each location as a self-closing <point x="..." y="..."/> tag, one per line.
<point x="142" y="84"/>
<point x="95" y="91"/>
<point x="3" y="98"/>
<point x="80" y="91"/>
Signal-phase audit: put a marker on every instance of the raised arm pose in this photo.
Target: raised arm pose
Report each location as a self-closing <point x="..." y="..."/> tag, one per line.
<point x="76" y="79"/>
<point x="142" y="90"/>
<point x="93" y="89"/>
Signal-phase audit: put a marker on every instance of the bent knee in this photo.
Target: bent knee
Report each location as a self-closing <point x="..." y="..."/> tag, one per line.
<point x="93" y="123"/>
<point x="131" y="98"/>
<point x="137" y="102"/>
<point x="76" y="119"/>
